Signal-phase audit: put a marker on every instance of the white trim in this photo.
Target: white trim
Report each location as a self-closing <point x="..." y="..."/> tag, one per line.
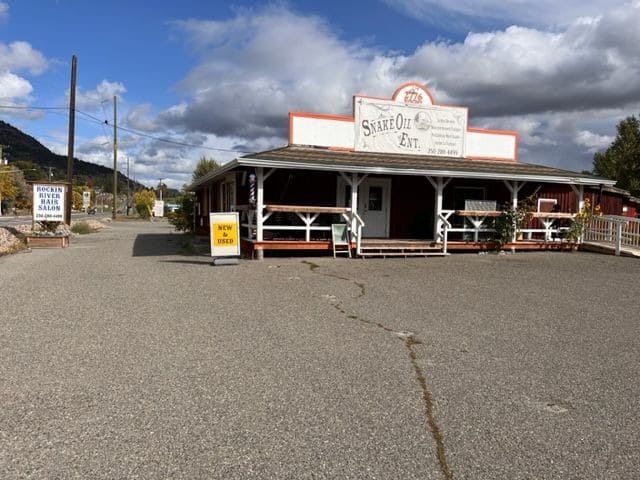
<point x="425" y="171"/>
<point x="553" y="201"/>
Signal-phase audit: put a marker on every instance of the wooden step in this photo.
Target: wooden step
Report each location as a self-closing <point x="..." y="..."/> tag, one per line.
<point x="399" y="248"/>
<point x="391" y="253"/>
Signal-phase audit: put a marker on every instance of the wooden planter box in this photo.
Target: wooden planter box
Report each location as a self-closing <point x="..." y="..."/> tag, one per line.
<point x="47" y="242"/>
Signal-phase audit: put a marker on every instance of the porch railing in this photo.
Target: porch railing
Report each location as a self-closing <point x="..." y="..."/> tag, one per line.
<point x="477" y="225"/>
<point x="619" y="232"/>
<point x="446" y="226"/>
<point x="298" y="218"/>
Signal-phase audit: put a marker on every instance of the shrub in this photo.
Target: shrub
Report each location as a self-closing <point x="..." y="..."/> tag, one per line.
<point x="580" y="223"/>
<point x="82" y="228"/>
<point x="509" y="224"/>
<point x="182" y="219"/>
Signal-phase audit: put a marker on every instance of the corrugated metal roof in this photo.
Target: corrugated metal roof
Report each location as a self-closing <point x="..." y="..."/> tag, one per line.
<point x="309" y="158"/>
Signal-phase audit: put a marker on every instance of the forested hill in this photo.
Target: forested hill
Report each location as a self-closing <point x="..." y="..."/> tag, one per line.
<point x="22" y="150"/>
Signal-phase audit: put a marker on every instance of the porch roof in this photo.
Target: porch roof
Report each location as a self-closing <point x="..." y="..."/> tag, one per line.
<point x="306" y="158"/>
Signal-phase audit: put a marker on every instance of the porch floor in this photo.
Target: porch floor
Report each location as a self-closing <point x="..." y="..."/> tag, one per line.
<point x="402" y="247"/>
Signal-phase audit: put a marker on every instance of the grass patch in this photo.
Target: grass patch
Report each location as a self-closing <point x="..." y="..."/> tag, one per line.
<point x="82" y="228"/>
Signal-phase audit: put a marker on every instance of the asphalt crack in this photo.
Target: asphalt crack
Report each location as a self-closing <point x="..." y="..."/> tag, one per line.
<point x="410" y="341"/>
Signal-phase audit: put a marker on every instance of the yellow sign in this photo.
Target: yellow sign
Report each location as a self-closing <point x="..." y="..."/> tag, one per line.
<point x="225" y="234"/>
<point x="225" y="238"/>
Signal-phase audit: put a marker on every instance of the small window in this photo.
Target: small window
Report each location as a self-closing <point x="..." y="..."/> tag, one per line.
<point x="546" y="204"/>
<point x="375" y="198"/>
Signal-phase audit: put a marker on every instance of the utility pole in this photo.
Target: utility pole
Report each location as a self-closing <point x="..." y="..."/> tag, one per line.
<point x="115" y="158"/>
<point x="72" y="126"/>
<point x="128" y="187"/>
<point x="2" y="162"/>
<point x="160" y="187"/>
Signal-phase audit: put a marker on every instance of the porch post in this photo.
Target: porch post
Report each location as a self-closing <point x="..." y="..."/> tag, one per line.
<point x="259" y="204"/>
<point x="579" y="191"/>
<point x="354" y="182"/>
<point x="438" y="225"/>
<point x="261" y="176"/>
<point x="514" y="187"/>
<point x="354" y="202"/>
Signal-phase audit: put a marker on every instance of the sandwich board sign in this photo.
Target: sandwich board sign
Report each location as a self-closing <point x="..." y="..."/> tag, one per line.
<point x="225" y="236"/>
<point x="49" y="202"/>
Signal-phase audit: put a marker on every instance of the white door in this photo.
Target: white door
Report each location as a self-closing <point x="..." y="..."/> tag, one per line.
<point x="373" y="206"/>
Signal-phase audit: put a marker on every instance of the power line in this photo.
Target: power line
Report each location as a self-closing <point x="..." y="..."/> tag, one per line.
<point x="184" y="144"/>
<point x="132" y="131"/>
<point x="21" y="107"/>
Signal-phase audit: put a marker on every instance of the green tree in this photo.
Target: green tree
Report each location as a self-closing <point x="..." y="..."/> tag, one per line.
<point x="182" y="219"/>
<point x="204" y="166"/>
<point x="7" y="184"/>
<point x="32" y="172"/>
<point x="23" y="191"/>
<point x="143" y="201"/>
<point x="621" y="161"/>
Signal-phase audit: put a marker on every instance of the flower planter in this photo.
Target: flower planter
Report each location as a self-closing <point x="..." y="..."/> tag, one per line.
<point x="47" y="241"/>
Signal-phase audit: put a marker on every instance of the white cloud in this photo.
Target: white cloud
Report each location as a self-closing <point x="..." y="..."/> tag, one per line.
<point x="593" y="141"/>
<point x="140" y="118"/>
<point x="13" y="87"/>
<point x="18" y="60"/>
<point x="261" y="64"/>
<point x="15" y="95"/>
<point x="103" y="92"/>
<point x="467" y="14"/>
<point x="20" y="56"/>
<point x="521" y="70"/>
<point x="4" y="10"/>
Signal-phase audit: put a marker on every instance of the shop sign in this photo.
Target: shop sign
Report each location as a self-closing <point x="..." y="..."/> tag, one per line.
<point x="387" y="126"/>
<point x="48" y="202"/>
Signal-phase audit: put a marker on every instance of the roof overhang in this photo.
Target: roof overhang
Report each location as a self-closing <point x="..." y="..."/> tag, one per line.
<point x="576" y="180"/>
<point x="487" y="173"/>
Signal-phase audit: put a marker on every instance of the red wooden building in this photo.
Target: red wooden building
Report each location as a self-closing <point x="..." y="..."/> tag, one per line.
<point x="406" y="175"/>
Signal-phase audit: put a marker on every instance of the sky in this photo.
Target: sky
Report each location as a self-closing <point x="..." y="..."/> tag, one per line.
<point x="217" y="79"/>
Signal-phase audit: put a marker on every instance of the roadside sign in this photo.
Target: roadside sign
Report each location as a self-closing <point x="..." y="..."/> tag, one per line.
<point x="86" y="199"/>
<point x="158" y="208"/>
<point x="225" y="234"/>
<point x="49" y="202"/>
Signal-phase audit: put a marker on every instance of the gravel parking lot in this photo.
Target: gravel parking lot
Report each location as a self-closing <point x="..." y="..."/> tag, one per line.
<point x="128" y="355"/>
